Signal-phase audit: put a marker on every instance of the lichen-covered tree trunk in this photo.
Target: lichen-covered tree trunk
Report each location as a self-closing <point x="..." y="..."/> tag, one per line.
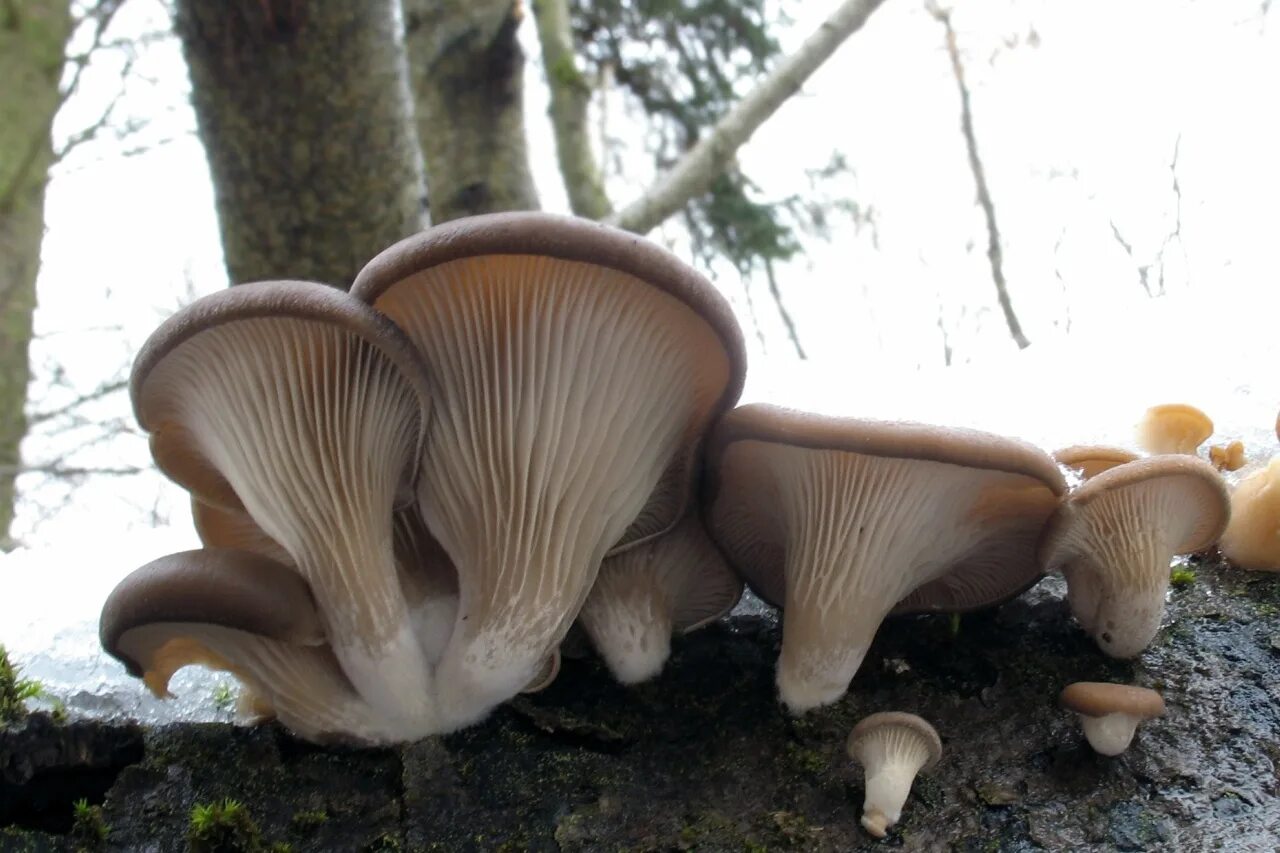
<point x="304" y="112"/>
<point x="467" y="75"/>
<point x="33" y="37"/>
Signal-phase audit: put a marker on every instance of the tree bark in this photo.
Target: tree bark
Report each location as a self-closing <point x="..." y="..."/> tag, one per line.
<point x="305" y="116"/>
<point x="570" y="99"/>
<point x="467" y="78"/>
<point x="33" y="37"/>
<point x="699" y="167"/>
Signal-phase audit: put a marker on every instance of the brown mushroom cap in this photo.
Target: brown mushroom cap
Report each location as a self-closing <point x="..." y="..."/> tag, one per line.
<point x="1113" y="539"/>
<point x="839" y="520"/>
<point x="228" y="528"/>
<point x="1252" y="537"/>
<point x="1092" y="459"/>
<point x="1099" y="698"/>
<point x="1173" y="428"/>
<point x="311" y="409"/>
<point x="1227" y="457"/>
<point x="577" y="368"/>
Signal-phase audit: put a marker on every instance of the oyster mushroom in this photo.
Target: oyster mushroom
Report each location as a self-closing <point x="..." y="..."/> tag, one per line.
<point x="306" y="409"/>
<point x="1090" y="460"/>
<point x="1227" y="457"/>
<point x="892" y="747"/>
<point x="1252" y="537"/>
<point x="1113" y="539"/>
<point x="838" y="520"/>
<point x="677" y="582"/>
<point x="1110" y="713"/>
<point x="1173" y="428"/>
<point x="575" y="368"/>
<point x="248" y="615"/>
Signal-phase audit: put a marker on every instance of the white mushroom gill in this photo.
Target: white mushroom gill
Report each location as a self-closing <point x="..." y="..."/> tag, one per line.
<point x="677" y="582"/>
<point x="303" y="685"/>
<point x="861" y="532"/>
<point x="564" y="392"/>
<point x="315" y="429"/>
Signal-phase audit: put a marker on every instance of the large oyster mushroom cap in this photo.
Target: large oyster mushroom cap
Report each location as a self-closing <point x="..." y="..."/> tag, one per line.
<point x="310" y="410"/>
<point x="1114" y="536"/>
<point x="838" y="520"/>
<point x="577" y="368"/>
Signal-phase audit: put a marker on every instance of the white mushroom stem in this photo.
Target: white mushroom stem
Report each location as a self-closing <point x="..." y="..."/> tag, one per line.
<point x="892" y="758"/>
<point x="1110" y="734"/>
<point x="628" y="616"/>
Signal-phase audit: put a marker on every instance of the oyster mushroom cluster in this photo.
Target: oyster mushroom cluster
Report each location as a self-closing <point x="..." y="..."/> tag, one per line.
<point x="408" y="491"/>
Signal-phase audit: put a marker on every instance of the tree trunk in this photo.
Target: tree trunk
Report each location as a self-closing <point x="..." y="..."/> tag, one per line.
<point x="467" y="76"/>
<point x="304" y="114"/>
<point x="33" y="37"/>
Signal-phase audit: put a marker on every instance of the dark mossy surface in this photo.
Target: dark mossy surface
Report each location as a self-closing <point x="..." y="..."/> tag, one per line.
<point x="705" y="759"/>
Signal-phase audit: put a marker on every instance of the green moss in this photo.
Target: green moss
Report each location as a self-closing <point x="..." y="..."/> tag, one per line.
<point x="384" y="843"/>
<point x="1182" y="577"/>
<point x="15" y="690"/>
<point x="87" y="827"/>
<point x="306" y="820"/>
<point x="224" y="697"/>
<point x="223" y="827"/>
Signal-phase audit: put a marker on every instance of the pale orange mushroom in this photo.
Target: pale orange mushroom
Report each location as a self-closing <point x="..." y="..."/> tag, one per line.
<point x="1173" y="428"/>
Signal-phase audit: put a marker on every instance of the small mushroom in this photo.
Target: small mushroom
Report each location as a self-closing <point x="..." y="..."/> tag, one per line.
<point x="1110" y="713"/>
<point x="1227" y="457"/>
<point x="1090" y="460"/>
<point x="1252" y="537"/>
<point x="892" y="748"/>
<point x="677" y="582"/>
<point x="1114" y="537"/>
<point x="841" y="520"/>
<point x="1173" y="428"/>
<point x="242" y="613"/>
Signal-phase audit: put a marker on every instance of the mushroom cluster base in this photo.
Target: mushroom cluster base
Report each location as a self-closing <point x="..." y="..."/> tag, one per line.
<point x="703" y="757"/>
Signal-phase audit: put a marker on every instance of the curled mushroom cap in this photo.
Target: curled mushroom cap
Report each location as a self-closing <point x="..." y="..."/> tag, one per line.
<point x="1113" y="539"/>
<point x="1110" y="713"/>
<point x="1173" y="428"/>
<point x="576" y="368"/>
<point x="307" y="409"/>
<point x="1252" y="537"/>
<point x="1227" y="457"/>
<point x="677" y="582"/>
<point x="1090" y="460"/>
<point x="892" y="747"/>
<point x="838" y="520"/>
<point x="245" y="614"/>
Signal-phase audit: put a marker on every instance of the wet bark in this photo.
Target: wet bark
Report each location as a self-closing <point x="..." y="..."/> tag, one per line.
<point x="304" y="112"/>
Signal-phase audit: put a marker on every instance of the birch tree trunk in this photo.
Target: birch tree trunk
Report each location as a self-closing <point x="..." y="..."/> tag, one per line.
<point x="467" y="77"/>
<point x="33" y="38"/>
<point x="304" y="112"/>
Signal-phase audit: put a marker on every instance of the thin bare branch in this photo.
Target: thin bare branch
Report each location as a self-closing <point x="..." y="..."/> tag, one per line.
<point x="782" y="309"/>
<point x="694" y="173"/>
<point x="995" y="253"/>
<point x="104" y="390"/>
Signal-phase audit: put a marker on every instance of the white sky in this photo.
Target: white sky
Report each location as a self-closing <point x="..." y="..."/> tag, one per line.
<point x="1076" y="132"/>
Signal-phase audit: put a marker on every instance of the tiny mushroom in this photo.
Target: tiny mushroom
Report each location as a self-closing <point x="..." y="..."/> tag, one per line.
<point x="1110" y="713"/>
<point x="306" y="409"/>
<point x="1252" y="537"/>
<point x="576" y="369"/>
<point x="892" y="748"/>
<point x="840" y="521"/>
<point x="677" y="582"/>
<point x="1227" y="457"/>
<point x="1173" y="428"/>
<point x="1090" y="460"/>
<point x="1114" y="537"/>
<point x="243" y="613"/>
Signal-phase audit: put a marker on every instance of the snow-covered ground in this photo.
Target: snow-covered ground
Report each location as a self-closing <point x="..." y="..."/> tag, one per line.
<point x="1090" y="387"/>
